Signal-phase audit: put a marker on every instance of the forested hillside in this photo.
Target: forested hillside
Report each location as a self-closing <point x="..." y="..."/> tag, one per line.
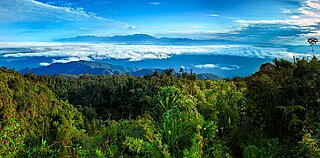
<point x="272" y="113"/>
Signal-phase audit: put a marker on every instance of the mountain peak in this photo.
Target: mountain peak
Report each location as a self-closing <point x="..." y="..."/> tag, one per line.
<point x="130" y="39"/>
<point x="141" y="35"/>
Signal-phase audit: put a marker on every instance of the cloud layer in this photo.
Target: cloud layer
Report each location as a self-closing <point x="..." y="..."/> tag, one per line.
<point x="76" y="51"/>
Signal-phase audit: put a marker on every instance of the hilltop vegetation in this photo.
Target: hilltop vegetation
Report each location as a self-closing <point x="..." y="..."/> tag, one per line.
<point x="273" y="113"/>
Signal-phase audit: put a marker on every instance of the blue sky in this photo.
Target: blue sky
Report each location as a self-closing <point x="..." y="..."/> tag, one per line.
<point x="255" y="21"/>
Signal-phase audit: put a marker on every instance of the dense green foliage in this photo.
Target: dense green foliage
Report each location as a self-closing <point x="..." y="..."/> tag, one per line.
<point x="283" y="109"/>
<point x="33" y="122"/>
<point x="273" y="113"/>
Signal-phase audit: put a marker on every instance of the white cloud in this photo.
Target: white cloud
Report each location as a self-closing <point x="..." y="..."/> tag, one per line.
<point x="299" y="55"/>
<point x="217" y="15"/>
<point x="206" y="66"/>
<point x="295" y="17"/>
<point x="313" y="34"/>
<point x="70" y="59"/>
<point x="155" y="3"/>
<point x="65" y="60"/>
<point x="218" y="66"/>
<point x="286" y="11"/>
<point x="227" y="68"/>
<point x="313" y="4"/>
<point x="32" y="10"/>
<point x="214" y="15"/>
<point x="79" y="51"/>
<point x="44" y="64"/>
<point x="309" y="14"/>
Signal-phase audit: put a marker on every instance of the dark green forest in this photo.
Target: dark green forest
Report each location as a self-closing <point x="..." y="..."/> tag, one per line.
<point x="272" y="113"/>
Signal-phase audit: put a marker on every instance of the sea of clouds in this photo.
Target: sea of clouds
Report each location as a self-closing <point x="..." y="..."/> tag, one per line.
<point x="82" y="51"/>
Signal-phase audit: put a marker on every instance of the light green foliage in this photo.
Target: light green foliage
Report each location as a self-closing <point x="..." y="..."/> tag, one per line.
<point x="43" y="150"/>
<point x="12" y="142"/>
<point x="311" y="143"/>
<point x="137" y="146"/>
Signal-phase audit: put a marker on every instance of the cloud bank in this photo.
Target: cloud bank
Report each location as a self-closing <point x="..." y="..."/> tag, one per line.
<point x="76" y="51"/>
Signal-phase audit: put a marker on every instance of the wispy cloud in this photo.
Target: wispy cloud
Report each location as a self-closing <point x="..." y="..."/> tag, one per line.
<point x="300" y="23"/>
<point x="207" y="66"/>
<point x="155" y="3"/>
<point x="213" y="15"/>
<point x="313" y="4"/>
<point x="32" y="10"/>
<point x="218" y="66"/>
<point x="286" y="11"/>
<point x="221" y="16"/>
<point x="308" y="15"/>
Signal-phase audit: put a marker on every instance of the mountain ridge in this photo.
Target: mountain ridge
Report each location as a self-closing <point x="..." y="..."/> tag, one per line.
<point x="139" y="39"/>
<point x="98" y="68"/>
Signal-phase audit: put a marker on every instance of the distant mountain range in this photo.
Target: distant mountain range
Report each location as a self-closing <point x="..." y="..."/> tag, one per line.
<point x="140" y="39"/>
<point x="97" y="68"/>
<point x="80" y="67"/>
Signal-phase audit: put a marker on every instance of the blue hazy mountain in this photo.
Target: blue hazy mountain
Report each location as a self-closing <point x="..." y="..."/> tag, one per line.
<point x="143" y="72"/>
<point x="208" y="76"/>
<point x="140" y="39"/>
<point x="97" y="68"/>
<point x="80" y="67"/>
